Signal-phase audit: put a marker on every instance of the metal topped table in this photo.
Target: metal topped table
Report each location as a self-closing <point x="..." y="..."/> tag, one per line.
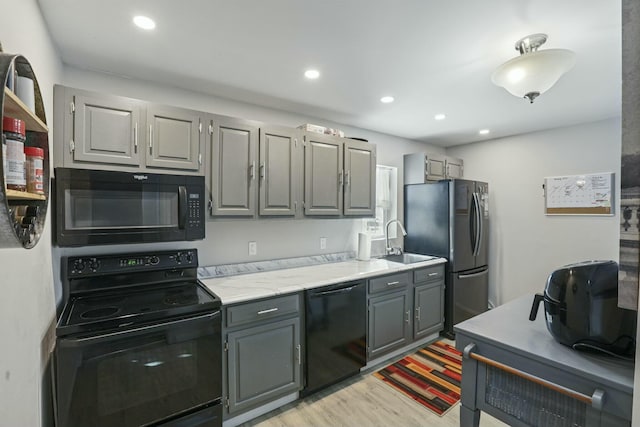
<point x="516" y="371"/>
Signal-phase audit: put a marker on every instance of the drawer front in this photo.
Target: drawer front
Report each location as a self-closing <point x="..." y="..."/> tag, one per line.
<point x="429" y="274"/>
<point x="385" y="283"/>
<point x="262" y="310"/>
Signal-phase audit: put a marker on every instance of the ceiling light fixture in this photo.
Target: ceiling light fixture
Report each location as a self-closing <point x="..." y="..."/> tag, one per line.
<point x="440" y="116"/>
<point x="533" y="72"/>
<point x="312" y="74"/>
<point x="144" y="22"/>
<point x="386" y="99"/>
<point x="484" y="131"/>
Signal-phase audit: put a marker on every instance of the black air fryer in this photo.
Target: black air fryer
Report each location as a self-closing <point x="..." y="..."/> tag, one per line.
<point x="581" y="309"/>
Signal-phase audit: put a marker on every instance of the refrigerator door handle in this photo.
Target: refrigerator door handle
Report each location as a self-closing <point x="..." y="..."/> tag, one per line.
<point x="468" y="276"/>
<point x="480" y="226"/>
<point x="477" y="225"/>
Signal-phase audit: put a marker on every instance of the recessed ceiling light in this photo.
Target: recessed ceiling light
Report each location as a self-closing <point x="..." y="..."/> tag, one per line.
<point x="312" y="74"/>
<point x="386" y="99"/>
<point x="144" y="22"/>
<point x="483" y="131"/>
<point x="440" y="116"/>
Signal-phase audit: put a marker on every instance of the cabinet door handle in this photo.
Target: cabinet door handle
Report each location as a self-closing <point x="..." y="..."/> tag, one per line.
<point x="150" y="140"/>
<point x="341" y="178"/>
<point x="299" y="354"/>
<point x="407" y="317"/>
<point x="392" y="283"/>
<point x="252" y="170"/>
<point x="433" y="274"/>
<point x="418" y="313"/>
<point x="262" y="170"/>
<point x="269" y="310"/>
<point x="135" y="138"/>
<point x="347" y="175"/>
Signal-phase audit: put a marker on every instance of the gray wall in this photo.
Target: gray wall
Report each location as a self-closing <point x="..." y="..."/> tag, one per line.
<point x="525" y="245"/>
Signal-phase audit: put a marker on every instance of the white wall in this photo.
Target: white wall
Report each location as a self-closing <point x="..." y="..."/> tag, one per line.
<point x="27" y="302"/>
<point x="525" y="244"/>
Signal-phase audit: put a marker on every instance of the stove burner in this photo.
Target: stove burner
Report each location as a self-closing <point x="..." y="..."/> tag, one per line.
<point x="181" y="298"/>
<point x="99" y="312"/>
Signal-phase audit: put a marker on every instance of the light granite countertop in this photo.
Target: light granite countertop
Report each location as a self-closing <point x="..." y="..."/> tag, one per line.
<point x="246" y="287"/>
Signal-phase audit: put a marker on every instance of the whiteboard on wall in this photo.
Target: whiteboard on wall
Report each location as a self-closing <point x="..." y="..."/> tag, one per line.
<point x="591" y="194"/>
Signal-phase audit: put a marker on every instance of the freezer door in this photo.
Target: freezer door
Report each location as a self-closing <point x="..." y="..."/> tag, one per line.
<point x="470" y="294"/>
<point x="464" y="230"/>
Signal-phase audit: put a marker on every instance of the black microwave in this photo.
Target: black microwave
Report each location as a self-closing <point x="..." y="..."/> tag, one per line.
<point x="95" y="207"/>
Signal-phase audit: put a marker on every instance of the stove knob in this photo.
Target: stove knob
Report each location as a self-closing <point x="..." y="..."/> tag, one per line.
<point x="154" y="260"/>
<point x="189" y="258"/>
<point x="94" y="264"/>
<point x="79" y="265"/>
<point x="179" y="258"/>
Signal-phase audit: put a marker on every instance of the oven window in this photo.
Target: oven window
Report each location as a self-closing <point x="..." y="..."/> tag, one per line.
<point x="87" y="209"/>
<point x="145" y="375"/>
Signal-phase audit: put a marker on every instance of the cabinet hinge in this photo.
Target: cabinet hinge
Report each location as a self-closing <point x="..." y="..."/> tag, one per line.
<point x="210" y="129"/>
<point x="200" y="127"/>
<point x="72" y="146"/>
<point x="295" y="142"/>
<point x="295" y="206"/>
<point x="226" y="346"/>
<point x="226" y="402"/>
<point x="72" y="107"/>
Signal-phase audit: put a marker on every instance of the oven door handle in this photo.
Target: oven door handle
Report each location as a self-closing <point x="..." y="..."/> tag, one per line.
<point x="76" y="342"/>
<point x="182" y="207"/>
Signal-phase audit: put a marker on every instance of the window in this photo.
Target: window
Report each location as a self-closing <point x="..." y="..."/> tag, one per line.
<point x="386" y="202"/>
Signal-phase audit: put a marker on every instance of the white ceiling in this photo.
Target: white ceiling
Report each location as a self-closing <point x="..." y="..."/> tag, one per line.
<point x="432" y="56"/>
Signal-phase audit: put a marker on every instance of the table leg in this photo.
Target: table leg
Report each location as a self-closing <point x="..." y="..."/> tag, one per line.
<point x="469" y="417"/>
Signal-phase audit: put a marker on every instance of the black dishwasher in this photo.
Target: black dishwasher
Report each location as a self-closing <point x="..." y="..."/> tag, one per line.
<point x="335" y="334"/>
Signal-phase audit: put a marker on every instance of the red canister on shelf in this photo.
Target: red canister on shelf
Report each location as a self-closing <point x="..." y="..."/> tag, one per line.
<point x="35" y="172"/>
<point x="14" y="134"/>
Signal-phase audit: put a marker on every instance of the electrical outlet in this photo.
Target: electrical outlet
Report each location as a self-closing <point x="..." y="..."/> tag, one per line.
<point x="323" y="243"/>
<point x="253" y="248"/>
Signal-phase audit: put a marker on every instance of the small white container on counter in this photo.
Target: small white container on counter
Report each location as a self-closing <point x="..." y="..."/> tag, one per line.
<point x="364" y="247"/>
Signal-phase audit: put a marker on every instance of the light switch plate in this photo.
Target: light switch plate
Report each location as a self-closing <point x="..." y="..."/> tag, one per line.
<point x="253" y="248"/>
<point x="323" y="243"/>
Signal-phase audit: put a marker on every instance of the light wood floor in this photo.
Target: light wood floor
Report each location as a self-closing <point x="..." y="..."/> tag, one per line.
<point x="361" y="401"/>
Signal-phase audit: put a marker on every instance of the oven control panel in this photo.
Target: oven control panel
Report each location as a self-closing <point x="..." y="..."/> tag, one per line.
<point x="82" y="266"/>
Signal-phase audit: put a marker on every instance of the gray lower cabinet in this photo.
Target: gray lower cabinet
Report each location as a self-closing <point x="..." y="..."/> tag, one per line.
<point x="389" y="313"/>
<point x="233" y="167"/>
<point x="428" y="300"/>
<point x="404" y="307"/>
<point x="263" y="352"/>
<point x="101" y="131"/>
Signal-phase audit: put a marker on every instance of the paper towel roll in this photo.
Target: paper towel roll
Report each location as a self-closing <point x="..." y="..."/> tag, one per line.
<point x="364" y="247"/>
<point x="25" y="91"/>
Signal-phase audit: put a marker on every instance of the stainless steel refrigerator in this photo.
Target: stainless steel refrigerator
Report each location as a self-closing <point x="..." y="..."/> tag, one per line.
<point x="450" y="219"/>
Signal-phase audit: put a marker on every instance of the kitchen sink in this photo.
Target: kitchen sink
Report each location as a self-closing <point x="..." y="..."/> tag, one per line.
<point x="407" y="258"/>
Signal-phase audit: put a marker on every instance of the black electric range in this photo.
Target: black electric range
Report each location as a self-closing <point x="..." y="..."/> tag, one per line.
<point x="138" y="342"/>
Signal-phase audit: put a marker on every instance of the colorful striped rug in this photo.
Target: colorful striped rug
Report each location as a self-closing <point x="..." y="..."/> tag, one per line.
<point x="431" y="376"/>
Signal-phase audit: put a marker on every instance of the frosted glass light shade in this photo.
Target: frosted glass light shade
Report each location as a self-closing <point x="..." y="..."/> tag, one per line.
<point x="533" y="72"/>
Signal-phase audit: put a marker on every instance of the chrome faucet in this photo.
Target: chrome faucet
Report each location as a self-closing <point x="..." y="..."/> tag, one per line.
<point x="389" y="249"/>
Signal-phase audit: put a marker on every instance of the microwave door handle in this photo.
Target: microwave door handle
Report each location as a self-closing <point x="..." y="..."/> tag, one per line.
<point x="182" y="207"/>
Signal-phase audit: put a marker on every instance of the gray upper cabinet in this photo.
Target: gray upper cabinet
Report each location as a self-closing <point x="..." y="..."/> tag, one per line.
<point x="233" y="167"/>
<point x="425" y="167"/>
<point x="174" y="138"/>
<point x="100" y="131"/>
<point x="279" y="171"/>
<point x="360" y="178"/>
<point x="339" y="176"/>
<point x="324" y="174"/>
